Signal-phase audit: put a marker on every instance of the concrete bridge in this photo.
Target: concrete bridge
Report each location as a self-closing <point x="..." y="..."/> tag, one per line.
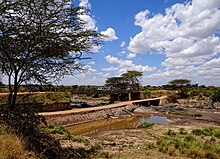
<point x="78" y="115"/>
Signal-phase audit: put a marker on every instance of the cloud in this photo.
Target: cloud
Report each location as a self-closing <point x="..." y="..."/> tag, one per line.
<point x="110" y="33"/>
<point x="188" y="35"/>
<point x="90" y="22"/>
<point x="125" y="65"/>
<point x="112" y="60"/>
<point x="89" y="69"/>
<point x="122" y="44"/>
<point x="131" y="56"/>
<point x="85" y="3"/>
<point x="187" y="21"/>
<point x="110" y="69"/>
<point x="92" y="63"/>
<point x="95" y="48"/>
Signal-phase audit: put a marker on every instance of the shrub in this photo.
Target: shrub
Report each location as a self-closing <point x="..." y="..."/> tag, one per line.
<point x="58" y="129"/>
<point x="146" y="124"/>
<point x="191" y="145"/>
<point x="172" y="98"/>
<point x="215" y="97"/>
<point x="197" y="115"/>
<point x="170" y="133"/>
<point x="182" y="131"/>
<point x="178" y="113"/>
<point x="12" y="146"/>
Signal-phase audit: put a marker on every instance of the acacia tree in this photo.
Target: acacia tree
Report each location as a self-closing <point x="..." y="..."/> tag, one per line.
<point x="117" y="82"/>
<point x="41" y="41"/>
<point x="132" y="77"/>
<point x="180" y="84"/>
<point x="126" y="80"/>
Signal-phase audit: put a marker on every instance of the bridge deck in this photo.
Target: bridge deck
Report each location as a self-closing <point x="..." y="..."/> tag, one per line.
<point x="121" y="104"/>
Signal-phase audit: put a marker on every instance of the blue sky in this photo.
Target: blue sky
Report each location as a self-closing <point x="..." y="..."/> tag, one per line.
<point x="165" y="39"/>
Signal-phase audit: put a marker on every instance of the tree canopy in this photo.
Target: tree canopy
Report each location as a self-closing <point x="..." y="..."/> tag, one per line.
<point x="41" y="41"/>
<point x="130" y="79"/>
<point x="116" y="82"/>
<point x="181" y="85"/>
<point x="180" y="82"/>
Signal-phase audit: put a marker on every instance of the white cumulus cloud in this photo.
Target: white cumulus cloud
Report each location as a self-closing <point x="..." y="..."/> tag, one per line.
<point x="126" y="65"/>
<point x="188" y="35"/>
<point x="110" y="34"/>
<point x="131" y="56"/>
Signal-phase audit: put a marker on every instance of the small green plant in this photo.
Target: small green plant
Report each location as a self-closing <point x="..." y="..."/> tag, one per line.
<point x="207" y="132"/>
<point x="182" y="131"/>
<point x="100" y="104"/>
<point x="178" y="113"/>
<point x="194" y="144"/>
<point x="81" y="139"/>
<point x="215" y="97"/>
<point x="170" y="133"/>
<point x="58" y="129"/>
<point x="172" y="98"/>
<point x="146" y="124"/>
<point x="197" y="115"/>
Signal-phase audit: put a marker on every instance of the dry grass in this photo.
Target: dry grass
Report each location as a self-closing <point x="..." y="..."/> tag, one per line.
<point x="12" y="146"/>
<point x="159" y="93"/>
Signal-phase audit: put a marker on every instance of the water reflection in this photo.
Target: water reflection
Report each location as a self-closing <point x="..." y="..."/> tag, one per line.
<point x="95" y="127"/>
<point x="154" y="120"/>
<point x="102" y="125"/>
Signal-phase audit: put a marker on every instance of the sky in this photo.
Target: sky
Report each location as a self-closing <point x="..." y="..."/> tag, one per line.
<point x="164" y="39"/>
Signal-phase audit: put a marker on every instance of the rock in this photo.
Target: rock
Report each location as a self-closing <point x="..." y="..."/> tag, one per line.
<point x="216" y="105"/>
<point x="141" y="109"/>
<point x="171" y="107"/>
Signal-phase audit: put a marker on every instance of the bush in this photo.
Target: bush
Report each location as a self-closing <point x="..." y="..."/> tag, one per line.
<point x="12" y="147"/>
<point x="172" y="98"/>
<point x="58" y="129"/>
<point x="146" y="124"/>
<point x="215" y="97"/>
<point x="191" y="145"/>
<point x="178" y="113"/>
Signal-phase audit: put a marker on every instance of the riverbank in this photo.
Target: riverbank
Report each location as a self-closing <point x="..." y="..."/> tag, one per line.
<point x="79" y="115"/>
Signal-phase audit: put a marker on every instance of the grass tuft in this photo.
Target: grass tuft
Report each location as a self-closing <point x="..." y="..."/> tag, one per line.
<point x="199" y="143"/>
<point x="12" y="146"/>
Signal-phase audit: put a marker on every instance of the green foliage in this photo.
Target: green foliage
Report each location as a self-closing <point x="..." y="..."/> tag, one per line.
<point x="192" y="144"/>
<point x="172" y="98"/>
<point x="207" y="132"/>
<point x="215" y="97"/>
<point x="170" y="133"/>
<point x="197" y="115"/>
<point x="181" y="85"/>
<point x="178" y="113"/>
<point x="146" y="124"/>
<point x="130" y="79"/>
<point x="182" y="131"/>
<point x="180" y="82"/>
<point x="58" y="129"/>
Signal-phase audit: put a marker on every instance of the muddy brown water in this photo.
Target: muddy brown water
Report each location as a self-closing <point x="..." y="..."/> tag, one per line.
<point x="94" y="127"/>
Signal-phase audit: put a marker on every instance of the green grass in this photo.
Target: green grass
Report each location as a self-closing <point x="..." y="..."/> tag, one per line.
<point x="178" y="113"/>
<point x="199" y="143"/>
<point x="185" y="114"/>
<point x="146" y="124"/>
<point x="197" y="115"/>
<point x="58" y="130"/>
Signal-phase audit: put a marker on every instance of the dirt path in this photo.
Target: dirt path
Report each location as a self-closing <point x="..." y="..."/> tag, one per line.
<point x="121" y="104"/>
<point x="23" y="93"/>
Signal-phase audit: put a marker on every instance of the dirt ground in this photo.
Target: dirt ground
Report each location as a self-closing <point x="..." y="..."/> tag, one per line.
<point x="131" y="143"/>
